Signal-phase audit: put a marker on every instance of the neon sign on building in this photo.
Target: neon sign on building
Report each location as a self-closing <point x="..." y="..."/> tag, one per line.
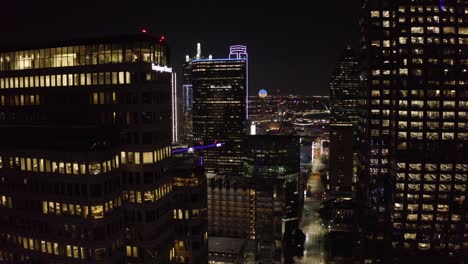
<point x="158" y="68"/>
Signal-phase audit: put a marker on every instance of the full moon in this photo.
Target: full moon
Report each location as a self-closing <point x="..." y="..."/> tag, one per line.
<point x="262" y="93"/>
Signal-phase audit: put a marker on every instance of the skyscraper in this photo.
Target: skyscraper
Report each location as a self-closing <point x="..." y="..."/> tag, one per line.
<point x="187" y="94"/>
<point x="219" y="109"/>
<point x="264" y="205"/>
<point x="272" y="162"/>
<point x="341" y="158"/>
<point x="413" y="166"/>
<point x="344" y="90"/>
<point x="190" y="209"/>
<point x="85" y="137"/>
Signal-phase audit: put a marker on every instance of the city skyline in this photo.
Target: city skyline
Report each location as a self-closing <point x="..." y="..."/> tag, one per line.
<point x="254" y="133"/>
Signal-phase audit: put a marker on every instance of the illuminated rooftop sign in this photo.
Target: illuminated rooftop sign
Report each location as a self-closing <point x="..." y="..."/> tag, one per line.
<point x="158" y="68"/>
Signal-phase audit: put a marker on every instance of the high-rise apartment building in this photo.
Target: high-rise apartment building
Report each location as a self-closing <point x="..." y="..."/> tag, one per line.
<point x="85" y="137"/>
<point x="219" y="109"/>
<point x="413" y="149"/>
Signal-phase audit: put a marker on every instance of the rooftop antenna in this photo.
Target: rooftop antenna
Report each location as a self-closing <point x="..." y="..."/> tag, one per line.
<point x="198" y="50"/>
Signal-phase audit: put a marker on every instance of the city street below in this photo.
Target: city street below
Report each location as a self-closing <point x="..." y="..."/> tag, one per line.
<point x="311" y="224"/>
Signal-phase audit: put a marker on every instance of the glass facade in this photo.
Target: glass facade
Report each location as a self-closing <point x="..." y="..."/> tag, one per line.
<point x="190" y="211"/>
<point x="414" y="144"/>
<point x="84" y="55"/>
<point x="344" y="89"/>
<point x="87" y="126"/>
<point x="219" y="105"/>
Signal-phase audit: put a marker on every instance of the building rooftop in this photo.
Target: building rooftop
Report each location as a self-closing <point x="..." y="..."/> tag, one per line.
<point x="85" y="41"/>
<point x="226" y="245"/>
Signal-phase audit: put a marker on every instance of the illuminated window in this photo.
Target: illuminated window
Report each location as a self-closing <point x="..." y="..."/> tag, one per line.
<point x="131" y="251"/>
<point x="445" y="187"/>
<point x="180" y="215"/>
<point x="412" y="217"/>
<point x="426" y="217"/>
<point x="149" y="196"/>
<point x="138" y="195"/>
<point x="69" y="251"/>
<point x="428" y="207"/>
<point x="147" y="157"/>
<point x="97" y="211"/>
<point x="410" y="236"/>
<point x="94" y="168"/>
<point x="417" y="30"/>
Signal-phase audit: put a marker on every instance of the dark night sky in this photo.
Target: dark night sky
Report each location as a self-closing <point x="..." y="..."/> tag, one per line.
<point x="293" y="45"/>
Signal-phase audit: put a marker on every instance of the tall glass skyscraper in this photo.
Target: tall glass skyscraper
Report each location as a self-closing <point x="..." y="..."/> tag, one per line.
<point x="187" y="95"/>
<point x="85" y="138"/>
<point x="219" y="109"/>
<point x="413" y="165"/>
<point x="344" y="89"/>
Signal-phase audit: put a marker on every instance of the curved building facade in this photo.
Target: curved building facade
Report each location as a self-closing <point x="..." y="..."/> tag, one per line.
<point x="85" y="133"/>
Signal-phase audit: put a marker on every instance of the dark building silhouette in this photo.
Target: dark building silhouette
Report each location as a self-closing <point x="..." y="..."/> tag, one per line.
<point x="413" y="144"/>
<point x="85" y="130"/>
<point x="344" y="90"/>
<point x="190" y="209"/>
<point x="219" y="109"/>
<point x="341" y="158"/>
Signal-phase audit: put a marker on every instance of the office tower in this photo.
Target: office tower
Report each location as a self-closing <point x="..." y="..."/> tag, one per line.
<point x="341" y="158"/>
<point x="190" y="209"/>
<point x="85" y="134"/>
<point x="264" y="205"/>
<point x="187" y="94"/>
<point x="344" y="89"/>
<point x="273" y="164"/>
<point x="231" y="207"/>
<point x="219" y="109"/>
<point x="414" y="135"/>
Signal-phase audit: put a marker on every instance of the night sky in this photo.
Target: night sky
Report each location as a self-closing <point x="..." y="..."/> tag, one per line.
<point x="293" y="46"/>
